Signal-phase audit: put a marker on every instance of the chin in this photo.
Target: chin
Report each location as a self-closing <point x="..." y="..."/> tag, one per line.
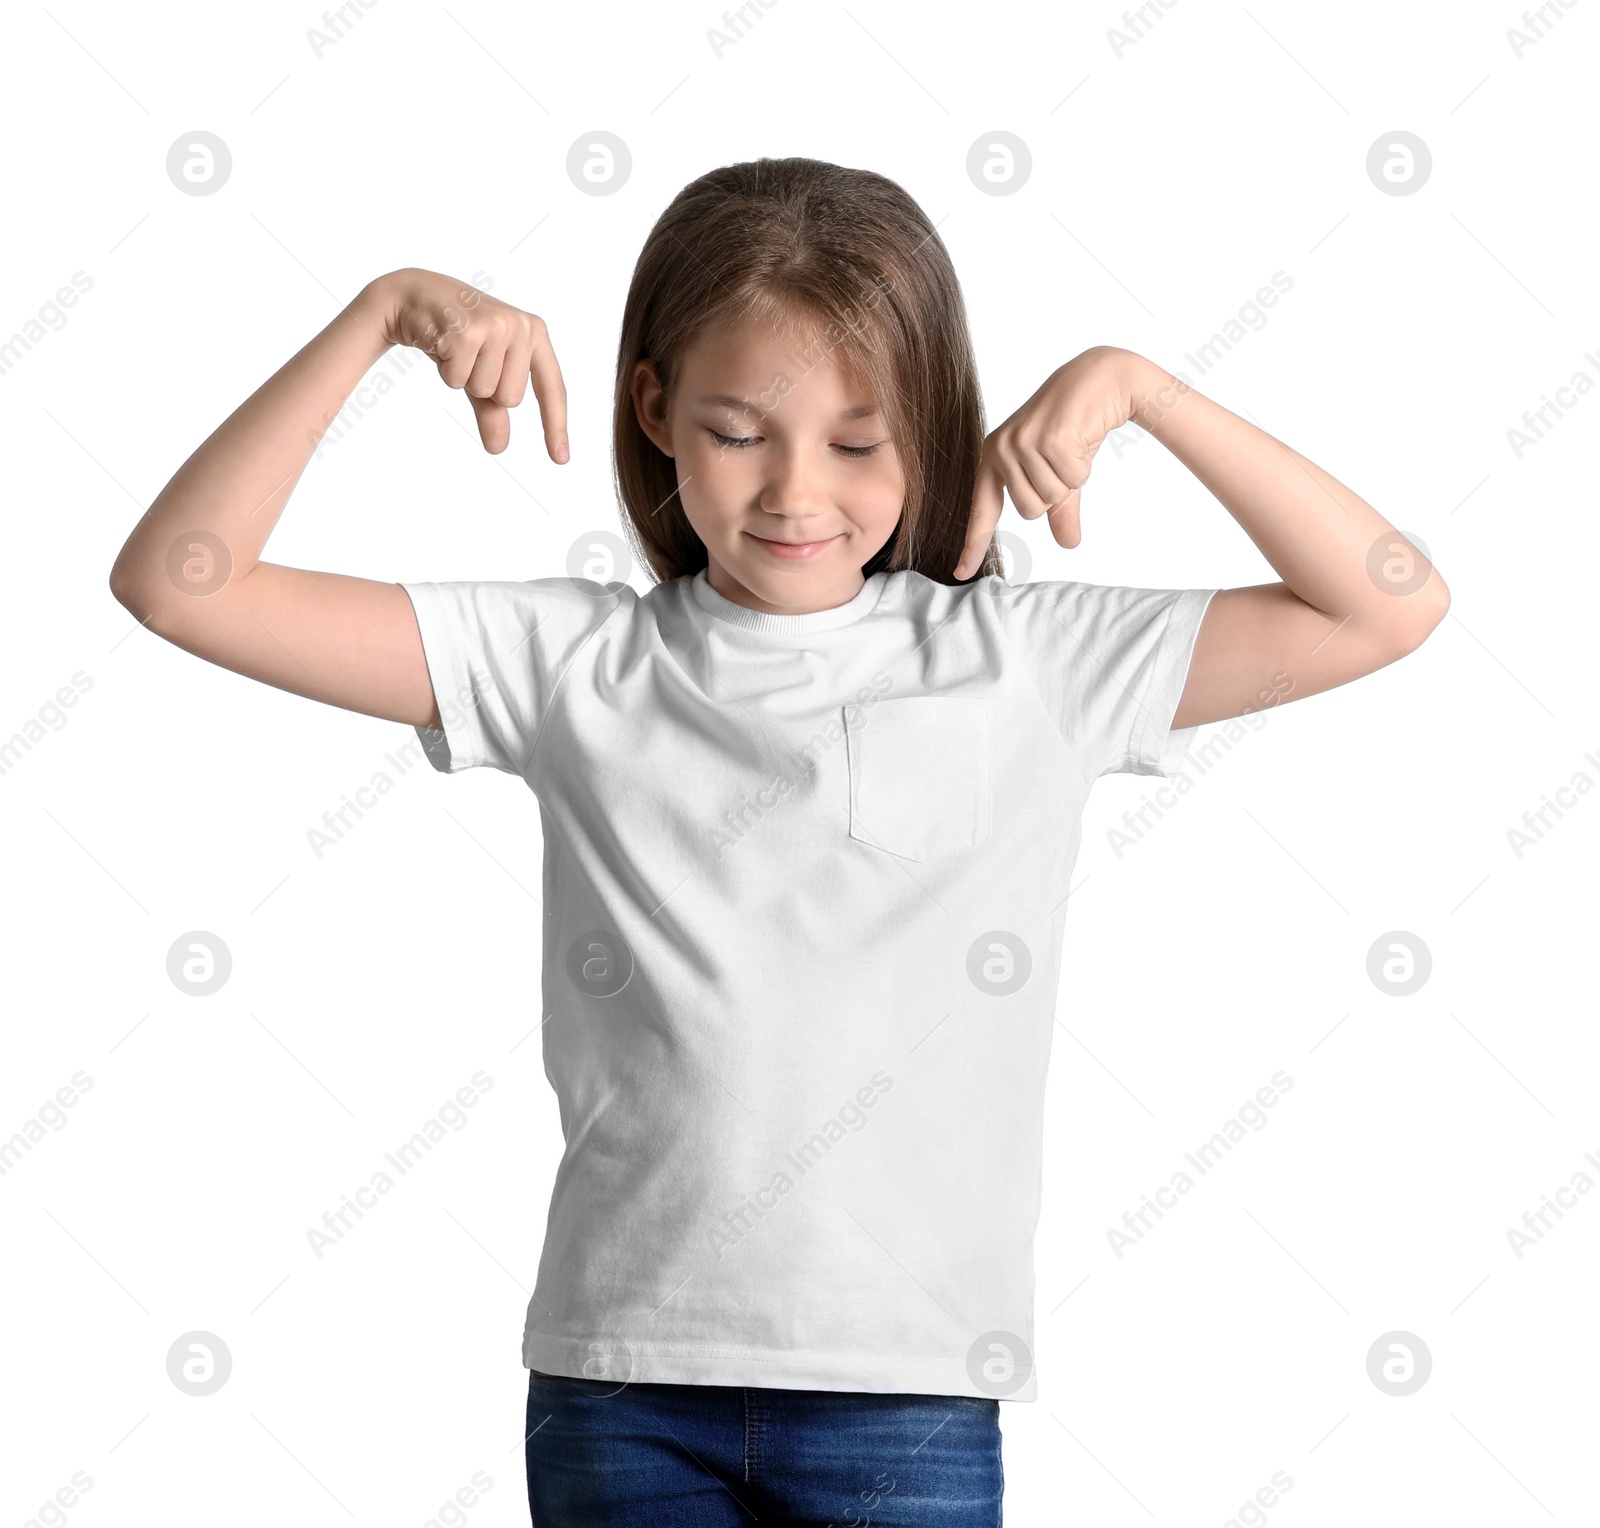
<point x="792" y="577"/>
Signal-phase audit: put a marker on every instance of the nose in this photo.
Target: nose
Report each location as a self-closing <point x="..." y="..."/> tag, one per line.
<point x="796" y="486"/>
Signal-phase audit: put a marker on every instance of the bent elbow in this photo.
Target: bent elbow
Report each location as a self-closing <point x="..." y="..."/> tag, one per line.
<point x="1425" y="609"/>
<point x="124" y="588"/>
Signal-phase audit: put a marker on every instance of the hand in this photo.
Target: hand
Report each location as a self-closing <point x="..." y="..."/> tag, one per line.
<point x="479" y="343"/>
<point x="1042" y="453"/>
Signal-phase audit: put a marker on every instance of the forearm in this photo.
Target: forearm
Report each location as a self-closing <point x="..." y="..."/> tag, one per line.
<point x="1317" y="534"/>
<point x="237" y="482"/>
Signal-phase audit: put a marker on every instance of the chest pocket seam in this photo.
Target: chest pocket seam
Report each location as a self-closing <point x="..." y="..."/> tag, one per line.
<point x="921" y="774"/>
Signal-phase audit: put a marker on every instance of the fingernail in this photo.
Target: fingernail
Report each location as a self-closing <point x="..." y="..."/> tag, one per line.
<point x="561" y="452"/>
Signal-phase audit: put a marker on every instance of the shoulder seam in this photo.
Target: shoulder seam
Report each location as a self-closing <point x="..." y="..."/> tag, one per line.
<point x="561" y="679"/>
<point x="1038" y="694"/>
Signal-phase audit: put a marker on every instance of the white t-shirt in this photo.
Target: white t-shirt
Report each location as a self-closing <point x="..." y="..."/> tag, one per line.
<point x="805" y="879"/>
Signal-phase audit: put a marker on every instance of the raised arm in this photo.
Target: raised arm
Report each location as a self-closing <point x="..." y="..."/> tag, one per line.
<point x="191" y="569"/>
<point x="1355" y="595"/>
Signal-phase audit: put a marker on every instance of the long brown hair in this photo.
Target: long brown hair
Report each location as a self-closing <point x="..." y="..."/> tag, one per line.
<point x="796" y="244"/>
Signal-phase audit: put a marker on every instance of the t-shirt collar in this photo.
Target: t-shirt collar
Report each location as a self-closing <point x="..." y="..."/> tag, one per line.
<point x="725" y="609"/>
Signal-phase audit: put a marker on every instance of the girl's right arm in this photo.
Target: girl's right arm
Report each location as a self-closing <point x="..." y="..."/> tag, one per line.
<point x="191" y="569"/>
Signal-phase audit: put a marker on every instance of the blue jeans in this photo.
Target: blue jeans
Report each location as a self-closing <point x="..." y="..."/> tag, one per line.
<point x="701" y="1456"/>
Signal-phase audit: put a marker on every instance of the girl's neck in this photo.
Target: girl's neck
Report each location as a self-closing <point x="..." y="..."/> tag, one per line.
<point x="840" y="593"/>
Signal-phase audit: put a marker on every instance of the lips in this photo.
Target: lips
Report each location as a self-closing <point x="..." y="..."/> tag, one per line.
<point x="792" y="549"/>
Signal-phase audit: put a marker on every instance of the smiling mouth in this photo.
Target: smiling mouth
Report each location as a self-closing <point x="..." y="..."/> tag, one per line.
<point x="792" y="549"/>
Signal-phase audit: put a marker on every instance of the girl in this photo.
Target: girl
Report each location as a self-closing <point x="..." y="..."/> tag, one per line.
<point x="810" y="810"/>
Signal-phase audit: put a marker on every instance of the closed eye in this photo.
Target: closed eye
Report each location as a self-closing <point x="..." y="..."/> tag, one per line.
<point x="741" y="441"/>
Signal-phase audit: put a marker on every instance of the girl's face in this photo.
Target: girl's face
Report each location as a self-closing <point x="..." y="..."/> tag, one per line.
<point x="785" y="467"/>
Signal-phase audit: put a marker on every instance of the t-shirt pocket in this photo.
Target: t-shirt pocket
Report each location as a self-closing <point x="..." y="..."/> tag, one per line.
<point x="920" y="774"/>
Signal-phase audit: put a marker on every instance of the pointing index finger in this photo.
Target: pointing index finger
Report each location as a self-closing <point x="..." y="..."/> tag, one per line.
<point x="988" y="499"/>
<point x="550" y="390"/>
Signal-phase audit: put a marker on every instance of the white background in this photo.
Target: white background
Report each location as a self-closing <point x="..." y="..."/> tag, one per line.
<point x="1168" y="183"/>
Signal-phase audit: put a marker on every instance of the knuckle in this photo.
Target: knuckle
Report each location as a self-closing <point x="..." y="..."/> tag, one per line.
<point x="1065" y="443"/>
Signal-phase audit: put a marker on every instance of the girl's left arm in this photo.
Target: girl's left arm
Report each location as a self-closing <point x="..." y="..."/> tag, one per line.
<point x="1355" y="595"/>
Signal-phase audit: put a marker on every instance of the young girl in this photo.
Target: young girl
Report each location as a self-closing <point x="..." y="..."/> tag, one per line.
<point x="810" y="810"/>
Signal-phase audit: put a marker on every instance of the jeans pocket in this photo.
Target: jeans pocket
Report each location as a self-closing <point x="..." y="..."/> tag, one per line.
<point x="920" y="774"/>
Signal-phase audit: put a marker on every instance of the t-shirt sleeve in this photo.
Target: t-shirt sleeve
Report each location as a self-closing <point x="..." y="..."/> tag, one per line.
<point x="497" y="652"/>
<point x="1110" y="664"/>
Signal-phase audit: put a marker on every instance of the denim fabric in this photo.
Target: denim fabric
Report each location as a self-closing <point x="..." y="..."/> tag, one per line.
<point x="605" y="1455"/>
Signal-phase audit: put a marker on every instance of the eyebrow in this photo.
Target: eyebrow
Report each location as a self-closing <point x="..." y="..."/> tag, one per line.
<point x="861" y="411"/>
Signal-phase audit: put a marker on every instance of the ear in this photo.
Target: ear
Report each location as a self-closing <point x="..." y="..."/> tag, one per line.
<point x="649" y="405"/>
